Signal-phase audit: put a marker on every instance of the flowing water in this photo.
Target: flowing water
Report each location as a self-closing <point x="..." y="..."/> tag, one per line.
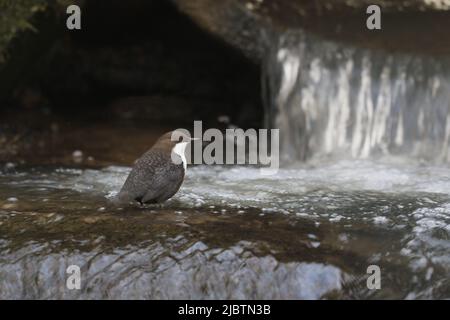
<point x="332" y="100"/>
<point x="311" y="231"/>
<point x="368" y="183"/>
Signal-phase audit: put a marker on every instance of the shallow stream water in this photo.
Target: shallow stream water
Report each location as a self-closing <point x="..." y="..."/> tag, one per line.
<point x="310" y="231"/>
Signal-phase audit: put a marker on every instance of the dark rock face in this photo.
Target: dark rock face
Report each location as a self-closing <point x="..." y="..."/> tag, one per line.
<point x="231" y="21"/>
<point x="156" y="51"/>
<point x="142" y="49"/>
<point x="142" y="63"/>
<point x="412" y="25"/>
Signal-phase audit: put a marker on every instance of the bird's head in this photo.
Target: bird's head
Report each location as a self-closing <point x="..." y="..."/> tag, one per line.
<point x="175" y="142"/>
<point x="172" y="138"/>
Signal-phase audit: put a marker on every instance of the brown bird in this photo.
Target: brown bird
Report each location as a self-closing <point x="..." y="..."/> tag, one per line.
<point x="158" y="174"/>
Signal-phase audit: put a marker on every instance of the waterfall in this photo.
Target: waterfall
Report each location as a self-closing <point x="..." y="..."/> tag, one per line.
<point x="331" y="99"/>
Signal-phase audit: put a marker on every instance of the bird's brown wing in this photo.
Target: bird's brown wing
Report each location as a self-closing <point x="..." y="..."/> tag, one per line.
<point x="165" y="183"/>
<point x="154" y="178"/>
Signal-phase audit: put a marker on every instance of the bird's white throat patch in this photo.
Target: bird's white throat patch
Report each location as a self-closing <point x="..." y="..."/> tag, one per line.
<point x="179" y="150"/>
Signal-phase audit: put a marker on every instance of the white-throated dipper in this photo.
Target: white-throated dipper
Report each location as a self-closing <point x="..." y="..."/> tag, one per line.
<point x="158" y="174"/>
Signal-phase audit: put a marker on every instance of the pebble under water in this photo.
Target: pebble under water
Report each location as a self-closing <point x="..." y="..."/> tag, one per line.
<point x="308" y="232"/>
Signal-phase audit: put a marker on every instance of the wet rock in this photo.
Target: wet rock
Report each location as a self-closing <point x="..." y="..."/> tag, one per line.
<point x="8" y="206"/>
<point x="90" y="220"/>
<point x="77" y="156"/>
<point x="416" y="25"/>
